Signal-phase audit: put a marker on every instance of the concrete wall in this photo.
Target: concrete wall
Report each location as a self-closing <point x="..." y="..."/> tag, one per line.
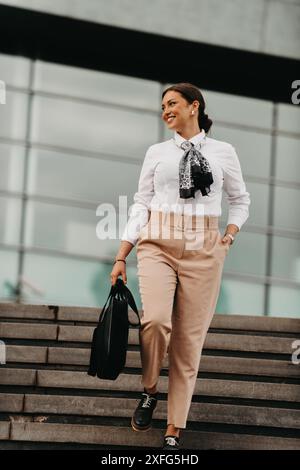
<point x="266" y="26"/>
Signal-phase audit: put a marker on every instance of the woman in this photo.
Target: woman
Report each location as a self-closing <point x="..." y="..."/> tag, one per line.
<point x="174" y="224"/>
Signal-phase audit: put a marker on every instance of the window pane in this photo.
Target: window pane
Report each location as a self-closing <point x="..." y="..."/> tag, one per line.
<point x="72" y="282"/>
<point x="94" y="128"/>
<point x="284" y="302"/>
<point x="69" y="229"/>
<point x="253" y="149"/>
<point x="8" y="274"/>
<point x="247" y="254"/>
<point x="241" y="298"/>
<point x="11" y="167"/>
<point x="289" y="117"/>
<point x="286" y="258"/>
<point x="13" y="116"/>
<point x="238" y="109"/>
<point x="14" y="70"/>
<point x="287" y="208"/>
<point x="258" y="209"/>
<point x="75" y="177"/>
<point x="66" y="281"/>
<point x="10" y="219"/>
<point x="288" y="159"/>
<point x="102" y="86"/>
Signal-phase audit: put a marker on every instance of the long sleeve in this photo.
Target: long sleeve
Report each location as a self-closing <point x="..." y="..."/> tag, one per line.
<point x="236" y="194"/>
<point x="139" y="213"/>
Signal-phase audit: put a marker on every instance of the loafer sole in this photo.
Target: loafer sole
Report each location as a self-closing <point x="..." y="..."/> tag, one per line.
<point x="135" y="427"/>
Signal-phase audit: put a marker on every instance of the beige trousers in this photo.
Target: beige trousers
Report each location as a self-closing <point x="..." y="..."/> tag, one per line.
<point x="180" y="262"/>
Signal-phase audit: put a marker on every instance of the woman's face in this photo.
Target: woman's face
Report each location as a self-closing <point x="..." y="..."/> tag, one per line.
<point x="176" y="111"/>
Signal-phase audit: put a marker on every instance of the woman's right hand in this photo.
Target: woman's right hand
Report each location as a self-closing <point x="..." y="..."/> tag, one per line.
<point x="119" y="269"/>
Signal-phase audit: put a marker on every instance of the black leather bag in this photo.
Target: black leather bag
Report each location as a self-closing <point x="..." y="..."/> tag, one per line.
<point x="110" y="338"/>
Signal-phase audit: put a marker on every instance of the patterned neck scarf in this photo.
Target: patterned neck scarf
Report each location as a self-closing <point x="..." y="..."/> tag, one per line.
<point x="194" y="172"/>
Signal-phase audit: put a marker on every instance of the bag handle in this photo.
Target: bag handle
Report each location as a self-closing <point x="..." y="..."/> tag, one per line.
<point x="130" y="299"/>
<point x="120" y="288"/>
<point x="113" y="292"/>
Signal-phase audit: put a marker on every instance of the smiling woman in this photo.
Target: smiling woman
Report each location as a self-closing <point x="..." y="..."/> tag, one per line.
<point x="181" y="104"/>
<point x="180" y="267"/>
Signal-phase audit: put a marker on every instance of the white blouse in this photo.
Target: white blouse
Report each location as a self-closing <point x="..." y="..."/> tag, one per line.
<point x="158" y="187"/>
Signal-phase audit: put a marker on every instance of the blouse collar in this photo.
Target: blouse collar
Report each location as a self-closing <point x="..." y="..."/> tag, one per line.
<point x="196" y="139"/>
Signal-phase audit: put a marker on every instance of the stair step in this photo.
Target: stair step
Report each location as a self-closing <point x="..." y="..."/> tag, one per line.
<point x="247" y="395"/>
<point x="132" y="382"/>
<point x="12" y="402"/>
<point x="38" y="331"/>
<point x="4" y="430"/>
<point x="124" y="407"/>
<point x="213" y="364"/>
<point x="24" y="377"/>
<point x="27" y="354"/>
<point x="26" y="311"/>
<point x="125" y="436"/>
<point x="83" y="334"/>
<point x="89" y="314"/>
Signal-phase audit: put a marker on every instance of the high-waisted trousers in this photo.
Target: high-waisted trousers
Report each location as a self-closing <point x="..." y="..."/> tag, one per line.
<point x="180" y="261"/>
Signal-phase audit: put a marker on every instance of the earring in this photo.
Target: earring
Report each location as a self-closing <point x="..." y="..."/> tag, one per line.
<point x="192" y="112"/>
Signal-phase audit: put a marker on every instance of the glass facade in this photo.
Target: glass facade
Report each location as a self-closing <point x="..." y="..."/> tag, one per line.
<point x="72" y="138"/>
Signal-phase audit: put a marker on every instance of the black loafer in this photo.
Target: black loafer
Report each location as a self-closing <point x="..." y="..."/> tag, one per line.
<point x="171" y="443"/>
<point x="142" y="418"/>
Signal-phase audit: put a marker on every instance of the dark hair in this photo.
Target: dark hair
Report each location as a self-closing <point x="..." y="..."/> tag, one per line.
<point x="191" y="93"/>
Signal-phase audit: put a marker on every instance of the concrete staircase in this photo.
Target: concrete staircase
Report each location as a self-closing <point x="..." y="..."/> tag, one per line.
<point x="247" y="394"/>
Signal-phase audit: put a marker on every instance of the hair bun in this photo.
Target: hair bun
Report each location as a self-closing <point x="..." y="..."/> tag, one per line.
<point x="206" y="122"/>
